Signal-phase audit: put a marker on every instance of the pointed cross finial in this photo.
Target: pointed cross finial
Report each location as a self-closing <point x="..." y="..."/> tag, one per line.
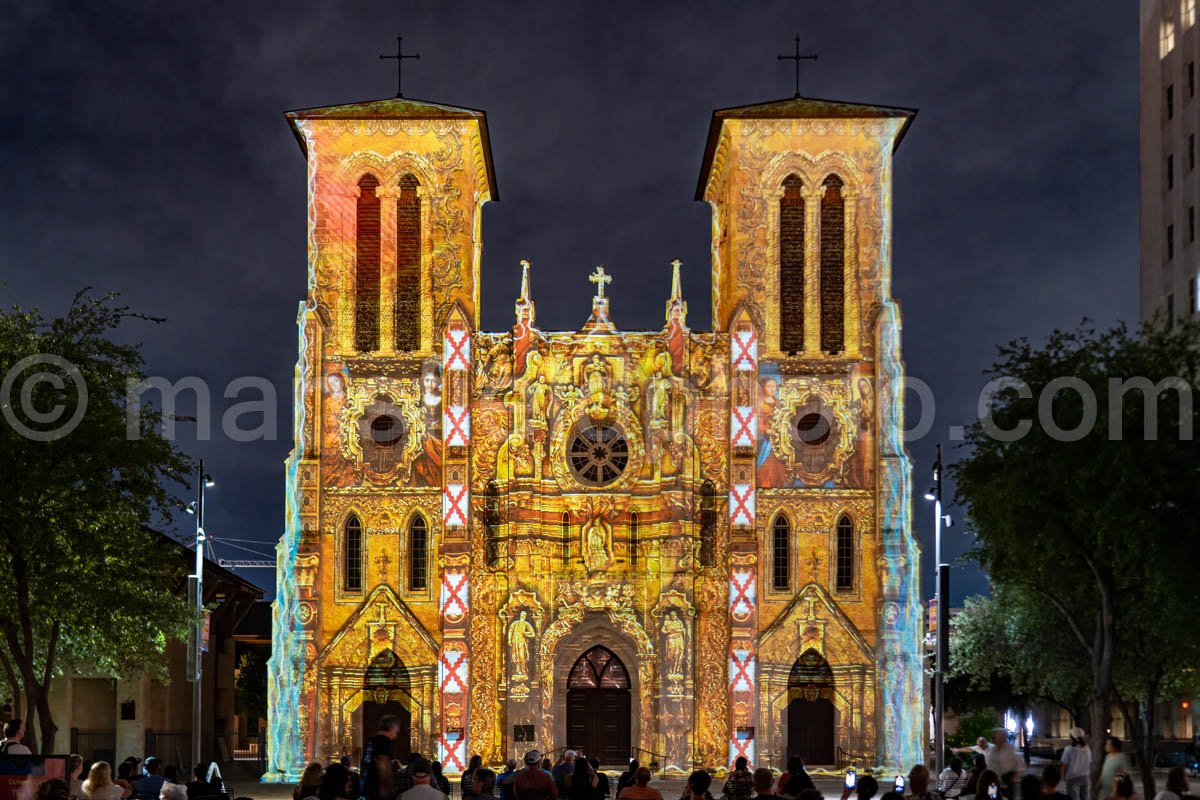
<point x="524" y="297"/>
<point x="400" y="56"/>
<point x="676" y="284"/>
<point x="600" y="279"/>
<point x="798" y="58"/>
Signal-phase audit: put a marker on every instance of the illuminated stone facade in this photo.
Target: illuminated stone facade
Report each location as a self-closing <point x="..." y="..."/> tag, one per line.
<point x="686" y="546"/>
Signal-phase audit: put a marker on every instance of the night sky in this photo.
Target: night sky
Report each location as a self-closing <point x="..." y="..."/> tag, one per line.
<point x="143" y="150"/>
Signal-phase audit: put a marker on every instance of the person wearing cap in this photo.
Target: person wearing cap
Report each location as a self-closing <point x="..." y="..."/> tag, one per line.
<point x="1077" y="764"/>
<point x="422" y="779"/>
<point x="1002" y="759"/>
<point x="533" y="782"/>
<point x="149" y="787"/>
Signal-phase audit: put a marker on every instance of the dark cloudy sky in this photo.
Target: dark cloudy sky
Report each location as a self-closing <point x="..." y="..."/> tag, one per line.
<point x="142" y="149"/>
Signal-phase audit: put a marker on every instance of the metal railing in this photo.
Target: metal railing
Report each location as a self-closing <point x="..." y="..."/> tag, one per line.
<point x="95" y="745"/>
<point x="847" y="759"/>
<point x="171" y="747"/>
<point x="655" y="758"/>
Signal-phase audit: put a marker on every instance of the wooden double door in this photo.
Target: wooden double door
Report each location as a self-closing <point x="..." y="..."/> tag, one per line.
<point x="599" y="704"/>
<point x="811" y="730"/>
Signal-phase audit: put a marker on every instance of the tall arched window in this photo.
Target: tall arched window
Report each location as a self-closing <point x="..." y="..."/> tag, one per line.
<point x="352" y="552"/>
<point x="634" y="543"/>
<point x="791" y="266"/>
<point x="407" y="315"/>
<point x="833" y="258"/>
<point x="845" y="554"/>
<point x="418" y="554"/>
<point x="366" y="271"/>
<point x="781" y="538"/>
<point x="565" y="538"/>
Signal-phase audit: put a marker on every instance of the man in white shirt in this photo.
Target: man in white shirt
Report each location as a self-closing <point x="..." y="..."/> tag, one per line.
<point x="1002" y="758"/>
<point x="422" y="789"/>
<point x="14" y="732"/>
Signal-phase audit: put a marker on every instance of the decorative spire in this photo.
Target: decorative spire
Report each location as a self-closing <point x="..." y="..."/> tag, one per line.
<point x="524" y="296"/>
<point x="599" y="321"/>
<point x="676" y="305"/>
<point x="600" y="279"/>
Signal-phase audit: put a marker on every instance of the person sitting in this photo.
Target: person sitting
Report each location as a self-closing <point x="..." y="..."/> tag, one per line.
<point x="483" y="784"/>
<point x="697" y="786"/>
<point x="918" y="783"/>
<point x="795" y="780"/>
<point x="1122" y="787"/>
<point x="310" y="781"/>
<point x="440" y="781"/>
<point x="53" y="789"/>
<point x="1030" y="788"/>
<point x="1051" y="778"/>
<point x="336" y="784"/>
<point x="641" y="788"/>
<point x="199" y="787"/>
<point x="172" y="791"/>
<point x="601" y="789"/>
<point x="150" y="785"/>
<point x="953" y="780"/>
<point x="978" y="767"/>
<point x="14" y="732"/>
<point x="422" y="777"/>
<point x="740" y="783"/>
<point x="99" y="784"/>
<point x="626" y="777"/>
<point x="864" y="789"/>
<point x="581" y="781"/>
<point x="534" y="782"/>
<point x="1177" y="785"/>
<point x="764" y="780"/>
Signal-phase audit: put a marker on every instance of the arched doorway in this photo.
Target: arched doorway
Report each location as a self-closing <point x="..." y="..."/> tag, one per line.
<point x="811" y="717"/>
<point x="598" y="706"/>
<point x="385" y="686"/>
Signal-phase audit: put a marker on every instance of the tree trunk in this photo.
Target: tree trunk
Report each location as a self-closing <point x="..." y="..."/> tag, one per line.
<point x="1144" y="738"/>
<point x="1102" y="682"/>
<point x="31" y="739"/>
<point x="49" y="729"/>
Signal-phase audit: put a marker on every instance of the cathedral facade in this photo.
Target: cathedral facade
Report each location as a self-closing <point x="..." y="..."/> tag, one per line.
<point x="674" y="545"/>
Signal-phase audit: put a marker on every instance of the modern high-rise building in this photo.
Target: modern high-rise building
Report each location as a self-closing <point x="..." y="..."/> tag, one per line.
<point x="1169" y="125"/>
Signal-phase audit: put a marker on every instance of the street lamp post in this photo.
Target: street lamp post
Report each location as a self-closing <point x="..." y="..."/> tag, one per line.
<point x="197" y="581"/>
<point x="942" y="597"/>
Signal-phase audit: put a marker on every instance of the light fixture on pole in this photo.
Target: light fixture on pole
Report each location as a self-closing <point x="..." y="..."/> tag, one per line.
<point x="196" y="596"/>
<point x="942" y="605"/>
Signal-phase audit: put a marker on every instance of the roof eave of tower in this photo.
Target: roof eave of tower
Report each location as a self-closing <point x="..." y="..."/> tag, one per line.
<point x="399" y="108"/>
<point x="798" y="108"/>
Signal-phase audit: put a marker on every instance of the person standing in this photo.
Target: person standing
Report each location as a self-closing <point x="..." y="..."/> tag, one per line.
<point x="505" y="779"/>
<point x="483" y="785"/>
<point x="581" y="781"/>
<point x="467" y="782"/>
<point x="562" y="769"/>
<point x="378" y="773"/>
<point x="534" y="782"/>
<point x="310" y="781"/>
<point x="795" y="780"/>
<point x="1002" y="759"/>
<point x="14" y="732"/>
<point x="1115" y="761"/>
<point x="1177" y="785"/>
<point x="918" y="783"/>
<point x="1077" y="763"/>
<point x="440" y="781"/>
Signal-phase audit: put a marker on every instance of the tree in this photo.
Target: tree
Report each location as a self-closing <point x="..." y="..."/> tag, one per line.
<point x="1085" y="513"/>
<point x="83" y="578"/>
<point x="250" y="685"/>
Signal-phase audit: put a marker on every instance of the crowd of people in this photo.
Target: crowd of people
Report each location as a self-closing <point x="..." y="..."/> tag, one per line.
<point x="135" y="779"/>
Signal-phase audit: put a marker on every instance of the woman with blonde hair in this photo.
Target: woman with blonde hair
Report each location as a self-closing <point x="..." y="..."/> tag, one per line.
<point x="99" y="784"/>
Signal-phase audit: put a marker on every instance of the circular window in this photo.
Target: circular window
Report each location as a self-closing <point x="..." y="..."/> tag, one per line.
<point x="813" y="428"/>
<point x="598" y="454"/>
<point x="386" y="430"/>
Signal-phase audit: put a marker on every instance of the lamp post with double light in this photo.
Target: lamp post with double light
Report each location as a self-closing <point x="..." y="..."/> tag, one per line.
<point x="196" y="595"/>
<point x="942" y="602"/>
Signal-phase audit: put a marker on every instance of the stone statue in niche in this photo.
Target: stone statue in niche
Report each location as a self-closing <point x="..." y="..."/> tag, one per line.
<point x="519" y="634"/>
<point x="597" y="536"/>
<point x="674" y="633"/>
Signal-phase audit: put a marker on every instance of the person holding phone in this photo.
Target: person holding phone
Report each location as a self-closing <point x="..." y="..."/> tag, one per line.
<point x="863" y="788"/>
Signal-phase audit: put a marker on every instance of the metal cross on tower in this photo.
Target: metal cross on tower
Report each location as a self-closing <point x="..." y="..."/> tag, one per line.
<point x="797" y="58"/>
<point x="600" y="279"/>
<point x="400" y="56"/>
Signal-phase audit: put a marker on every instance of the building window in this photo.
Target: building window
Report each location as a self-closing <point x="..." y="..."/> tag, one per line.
<point x="352" y="550"/>
<point x="1170" y="242"/>
<point x="845" y="554"/>
<point x="565" y="538"/>
<point x="1171" y="101"/>
<point x="418" y="554"/>
<point x="1170" y="310"/>
<point x="407" y="314"/>
<point x="1189" y="14"/>
<point x="634" y="543"/>
<point x="791" y="266"/>
<point x="1166" y="37"/>
<point x="833" y="258"/>
<point x="366" y="272"/>
<point x="781" y="537"/>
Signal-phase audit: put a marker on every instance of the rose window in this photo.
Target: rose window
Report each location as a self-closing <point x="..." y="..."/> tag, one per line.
<point x="598" y="454"/>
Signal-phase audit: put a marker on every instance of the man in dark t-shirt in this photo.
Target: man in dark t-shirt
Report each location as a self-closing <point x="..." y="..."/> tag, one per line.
<point x="378" y="781"/>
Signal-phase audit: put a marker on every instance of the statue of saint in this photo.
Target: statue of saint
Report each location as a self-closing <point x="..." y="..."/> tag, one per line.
<point x="597" y="539"/>
<point x="660" y="400"/>
<point x="539" y="401"/>
<point x="519" y="634"/>
<point x="675" y="645"/>
<point x="597" y="376"/>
